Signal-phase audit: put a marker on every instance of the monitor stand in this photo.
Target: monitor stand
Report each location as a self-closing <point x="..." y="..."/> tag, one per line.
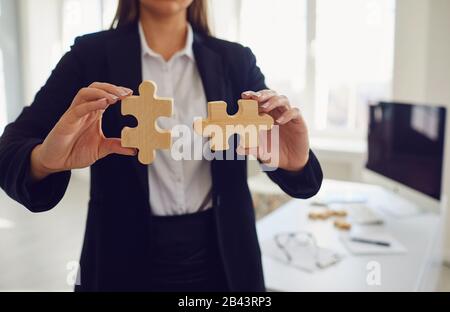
<point x="396" y="206"/>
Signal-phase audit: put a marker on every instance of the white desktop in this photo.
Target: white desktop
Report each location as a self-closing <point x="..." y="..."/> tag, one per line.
<point x="412" y="222"/>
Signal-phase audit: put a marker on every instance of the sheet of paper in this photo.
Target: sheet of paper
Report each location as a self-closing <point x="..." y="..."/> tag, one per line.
<point x="358" y="248"/>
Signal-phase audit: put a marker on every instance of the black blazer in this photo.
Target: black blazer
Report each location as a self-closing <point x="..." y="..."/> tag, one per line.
<point x="115" y="253"/>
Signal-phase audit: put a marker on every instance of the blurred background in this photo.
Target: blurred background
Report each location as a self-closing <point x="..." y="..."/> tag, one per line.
<point x="331" y="58"/>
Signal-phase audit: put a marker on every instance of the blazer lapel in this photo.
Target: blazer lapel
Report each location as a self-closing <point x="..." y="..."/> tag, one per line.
<point x="125" y="69"/>
<point x="210" y="67"/>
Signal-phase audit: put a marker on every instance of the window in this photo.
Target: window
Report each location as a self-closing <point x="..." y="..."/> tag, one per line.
<point x="3" y="112"/>
<point x="354" y="49"/>
<point x="277" y="36"/>
<point x="3" y="107"/>
<point x="60" y="22"/>
<point x="85" y="16"/>
<point x="332" y="58"/>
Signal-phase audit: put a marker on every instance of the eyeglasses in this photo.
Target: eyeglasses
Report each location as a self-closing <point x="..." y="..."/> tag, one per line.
<point x="300" y="249"/>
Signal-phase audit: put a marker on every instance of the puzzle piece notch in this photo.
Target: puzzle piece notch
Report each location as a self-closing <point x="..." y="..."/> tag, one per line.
<point x="147" y="137"/>
<point x="219" y="126"/>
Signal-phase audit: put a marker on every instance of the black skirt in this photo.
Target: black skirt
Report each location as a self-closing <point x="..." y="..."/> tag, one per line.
<point x="185" y="256"/>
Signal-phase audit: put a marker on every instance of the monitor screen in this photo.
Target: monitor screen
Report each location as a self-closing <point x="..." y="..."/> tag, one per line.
<point x="406" y="144"/>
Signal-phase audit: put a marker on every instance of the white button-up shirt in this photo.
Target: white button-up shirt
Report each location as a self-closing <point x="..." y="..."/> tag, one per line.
<point x="177" y="186"/>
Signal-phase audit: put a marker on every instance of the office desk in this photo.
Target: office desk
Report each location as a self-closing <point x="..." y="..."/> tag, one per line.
<point x="414" y="271"/>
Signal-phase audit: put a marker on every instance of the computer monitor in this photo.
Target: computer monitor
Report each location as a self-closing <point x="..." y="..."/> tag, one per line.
<point x="406" y="150"/>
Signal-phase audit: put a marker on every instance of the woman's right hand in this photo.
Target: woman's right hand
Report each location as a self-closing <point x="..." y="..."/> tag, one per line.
<point x="77" y="140"/>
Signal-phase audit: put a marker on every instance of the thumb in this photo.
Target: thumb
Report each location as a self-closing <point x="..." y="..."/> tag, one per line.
<point x="114" y="146"/>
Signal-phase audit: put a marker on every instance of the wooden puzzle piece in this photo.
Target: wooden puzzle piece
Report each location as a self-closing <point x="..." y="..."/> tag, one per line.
<point x="325" y="214"/>
<point x="343" y="225"/>
<point x="147" y="137"/>
<point x="247" y="122"/>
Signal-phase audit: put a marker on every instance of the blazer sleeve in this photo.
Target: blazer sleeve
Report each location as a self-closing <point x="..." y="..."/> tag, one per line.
<point x="30" y="130"/>
<point x="303" y="184"/>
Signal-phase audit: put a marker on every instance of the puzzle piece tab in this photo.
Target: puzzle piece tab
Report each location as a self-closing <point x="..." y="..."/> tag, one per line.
<point x="147" y="137"/>
<point x="247" y="122"/>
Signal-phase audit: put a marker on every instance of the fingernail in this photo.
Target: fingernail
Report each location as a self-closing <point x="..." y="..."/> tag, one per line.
<point x="115" y="98"/>
<point x="280" y="120"/>
<point x="122" y="91"/>
<point x="266" y="105"/>
<point x="258" y="94"/>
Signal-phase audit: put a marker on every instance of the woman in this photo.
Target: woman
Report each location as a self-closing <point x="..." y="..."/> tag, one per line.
<point x="174" y="225"/>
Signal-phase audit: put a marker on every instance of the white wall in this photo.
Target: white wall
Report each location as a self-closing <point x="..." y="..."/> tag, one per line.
<point x="10" y="79"/>
<point x="422" y="58"/>
<point x="422" y="63"/>
<point x="411" y="51"/>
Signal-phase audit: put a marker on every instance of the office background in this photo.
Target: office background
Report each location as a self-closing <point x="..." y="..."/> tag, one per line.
<point x="331" y="58"/>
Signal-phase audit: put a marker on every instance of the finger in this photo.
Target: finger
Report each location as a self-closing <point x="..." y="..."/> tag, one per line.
<point x="127" y="91"/>
<point x="93" y="94"/>
<point x="250" y="95"/>
<point x="260" y="96"/>
<point x="266" y="95"/>
<point x="258" y="152"/>
<point x="288" y="116"/>
<point x="243" y="151"/>
<point x="82" y="110"/>
<point x="114" y="146"/>
<point x="120" y="92"/>
<point x="276" y="102"/>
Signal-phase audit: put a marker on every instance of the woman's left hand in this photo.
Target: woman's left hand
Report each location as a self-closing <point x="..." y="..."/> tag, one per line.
<point x="293" y="142"/>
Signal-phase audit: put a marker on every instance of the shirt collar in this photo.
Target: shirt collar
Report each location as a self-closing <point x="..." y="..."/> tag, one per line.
<point x="187" y="50"/>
